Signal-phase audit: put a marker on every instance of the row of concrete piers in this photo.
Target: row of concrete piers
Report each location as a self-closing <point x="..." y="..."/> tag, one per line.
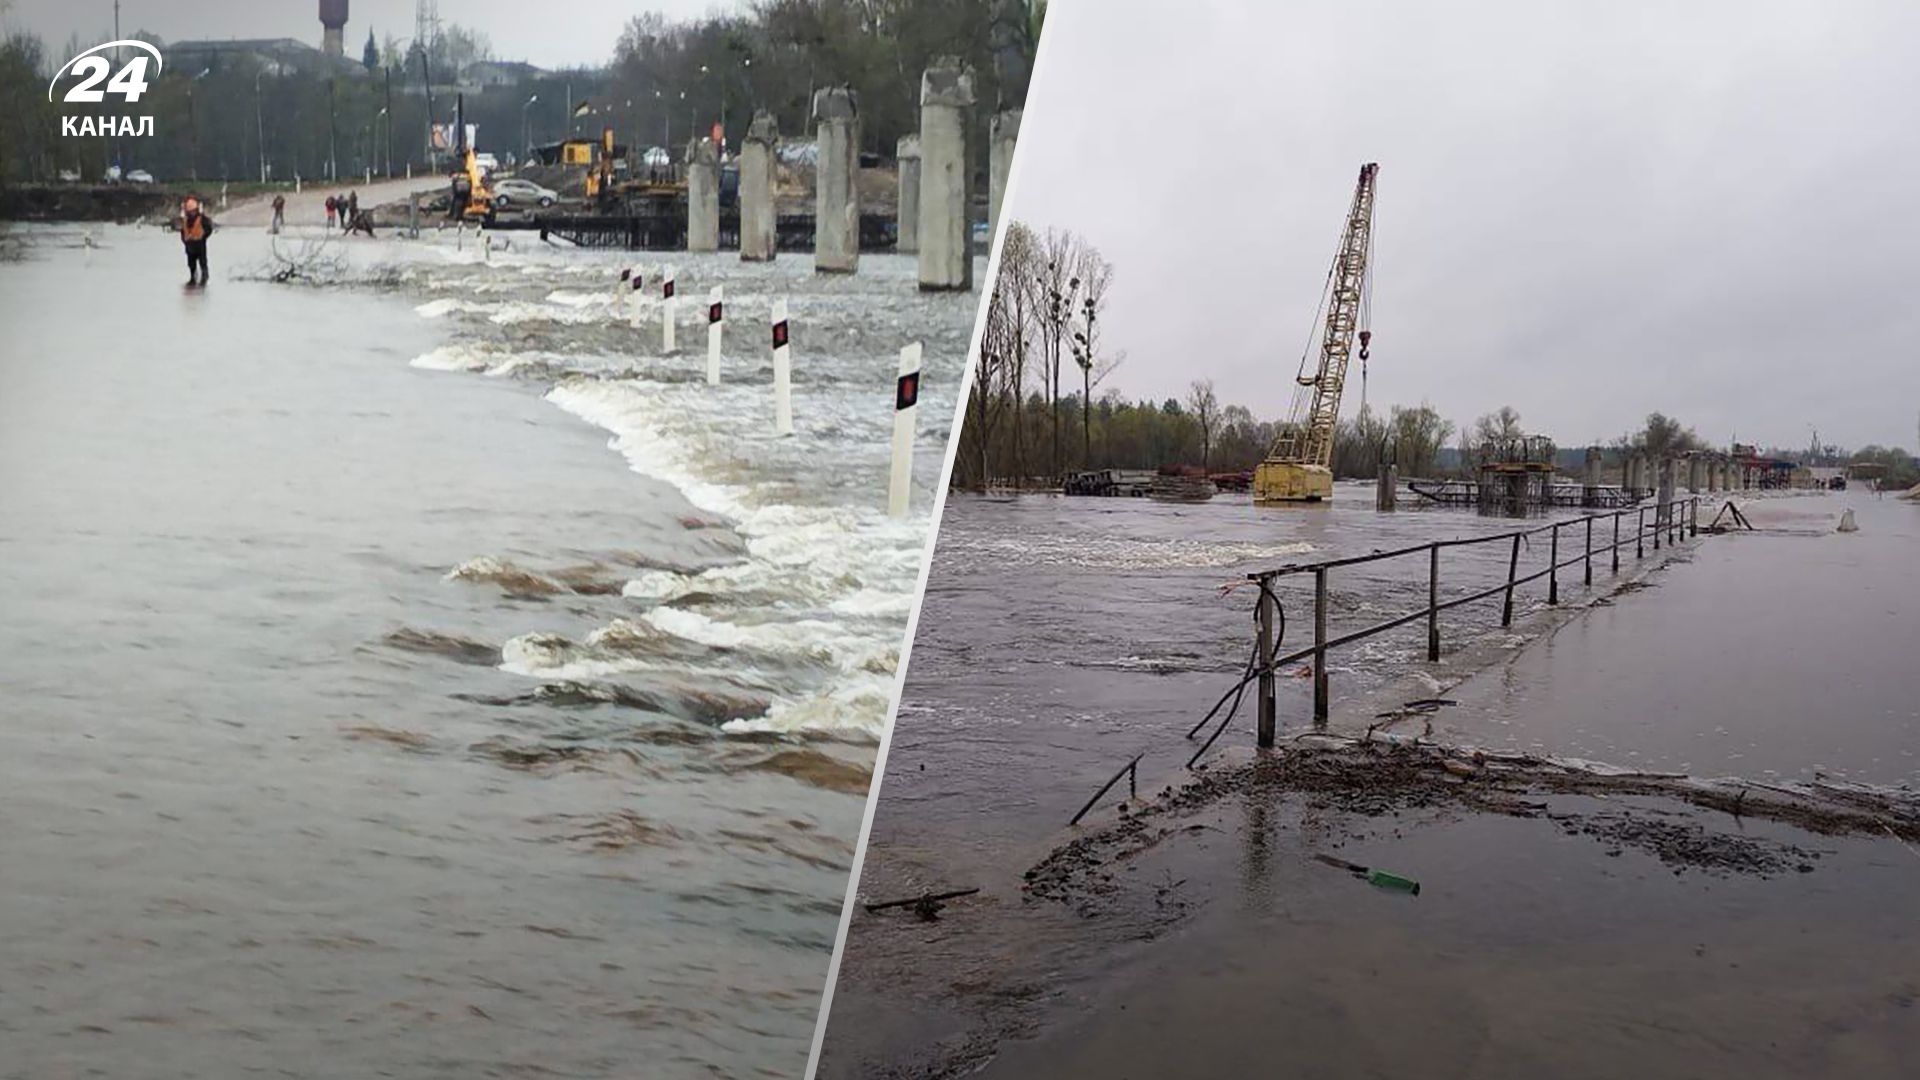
<point x="1699" y="470"/>
<point x="936" y="189"/>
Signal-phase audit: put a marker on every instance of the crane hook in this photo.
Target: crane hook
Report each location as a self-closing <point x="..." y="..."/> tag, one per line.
<point x="1366" y="340"/>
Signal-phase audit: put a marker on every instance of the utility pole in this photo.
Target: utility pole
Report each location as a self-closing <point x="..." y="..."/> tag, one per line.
<point x="333" y="159"/>
<point x="117" y="57"/>
<point x="426" y="80"/>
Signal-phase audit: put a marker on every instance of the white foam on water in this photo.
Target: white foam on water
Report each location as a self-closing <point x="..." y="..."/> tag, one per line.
<point x="830" y="585"/>
<point x="859" y="705"/>
<point x="454" y="358"/>
<point x="1120" y="552"/>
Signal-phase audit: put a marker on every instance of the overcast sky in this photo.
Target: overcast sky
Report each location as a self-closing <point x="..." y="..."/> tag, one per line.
<point x="549" y="34"/>
<point x="1586" y="210"/>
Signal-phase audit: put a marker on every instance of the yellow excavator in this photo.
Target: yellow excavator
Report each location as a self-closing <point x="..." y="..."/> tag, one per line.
<point x="472" y="199"/>
<point x="600" y="173"/>
<point x="1299" y="466"/>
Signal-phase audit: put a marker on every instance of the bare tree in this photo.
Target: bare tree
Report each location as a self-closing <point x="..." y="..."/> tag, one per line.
<point x="1205" y="409"/>
<point x="1096" y="277"/>
<point x="1017" y="280"/>
<point x="1058" y="284"/>
<point x="989" y="378"/>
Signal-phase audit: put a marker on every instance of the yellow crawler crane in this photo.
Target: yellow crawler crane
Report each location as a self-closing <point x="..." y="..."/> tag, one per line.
<point x="1299" y="466"/>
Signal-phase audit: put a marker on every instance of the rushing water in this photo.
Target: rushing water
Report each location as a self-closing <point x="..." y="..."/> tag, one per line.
<point x="365" y="718"/>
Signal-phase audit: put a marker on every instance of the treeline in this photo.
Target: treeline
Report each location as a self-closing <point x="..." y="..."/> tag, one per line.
<point x="776" y="53"/>
<point x="1035" y="412"/>
<point x="239" y="117"/>
<point x="663" y="80"/>
<point x="1033" y="416"/>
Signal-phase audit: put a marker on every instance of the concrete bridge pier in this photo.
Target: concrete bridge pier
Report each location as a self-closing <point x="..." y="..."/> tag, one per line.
<point x="1663" y="514"/>
<point x="836" y="206"/>
<point x="703" y="196"/>
<point x="1590" y="483"/>
<point x="757" y="220"/>
<point x="1004" y="133"/>
<point x="1386" y="491"/>
<point x="946" y="256"/>
<point x="1696" y="465"/>
<point x="1713" y="475"/>
<point x="907" y="221"/>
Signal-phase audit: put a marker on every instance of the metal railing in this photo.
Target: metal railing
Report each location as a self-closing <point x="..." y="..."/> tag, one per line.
<point x="1680" y="519"/>
<point x="1673" y="521"/>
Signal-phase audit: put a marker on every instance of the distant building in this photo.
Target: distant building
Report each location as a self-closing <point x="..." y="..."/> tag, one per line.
<point x="483" y="74"/>
<point x="276" y="56"/>
<point x="580" y="151"/>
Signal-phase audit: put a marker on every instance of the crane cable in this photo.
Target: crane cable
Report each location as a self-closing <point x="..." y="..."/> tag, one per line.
<point x="1315" y="330"/>
<point x="1366" y="291"/>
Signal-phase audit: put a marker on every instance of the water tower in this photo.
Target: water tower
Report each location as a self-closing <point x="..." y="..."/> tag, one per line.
<point x="333" y="20"/>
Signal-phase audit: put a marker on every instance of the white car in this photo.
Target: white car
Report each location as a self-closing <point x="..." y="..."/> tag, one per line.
<point x="139" y="176"/>
<point x="514" y="190"/>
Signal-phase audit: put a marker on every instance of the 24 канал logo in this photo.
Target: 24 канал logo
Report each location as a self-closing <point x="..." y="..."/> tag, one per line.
<point x="130" y="82"/>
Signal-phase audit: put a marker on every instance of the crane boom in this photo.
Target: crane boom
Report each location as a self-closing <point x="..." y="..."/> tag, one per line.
<point x="1299" y="466"/>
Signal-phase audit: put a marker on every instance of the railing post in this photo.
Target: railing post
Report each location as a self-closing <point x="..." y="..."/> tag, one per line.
<point x="1513" y="567"/>
<point x="1640" y="532"/>
<point x="1658" y="528"/>
<point x="1264" y="738"/>
<point x="1553" y="566"/>
<point x="1320" y="647"/>
<point x="1589" y="570"/>
<point x="1694" y="527"/>
<point x="1616" y="541"/>
<point x="1433" y="603"/>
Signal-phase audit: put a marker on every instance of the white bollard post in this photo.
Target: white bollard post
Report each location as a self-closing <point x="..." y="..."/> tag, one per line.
<point x="782" y="373"/>
<point x="714" y="324"/>
<point x="634" y="288"/>
<point x="666" y="312"/>
<point x="906" y="394"/>
<point x="619" y="286"/>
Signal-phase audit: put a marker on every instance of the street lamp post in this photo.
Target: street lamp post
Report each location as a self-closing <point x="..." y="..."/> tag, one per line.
<point x="193" y="128"/>
<point x="388" y="113"/>
<point x="260" y="125"/>
<point x="526" y="128"/>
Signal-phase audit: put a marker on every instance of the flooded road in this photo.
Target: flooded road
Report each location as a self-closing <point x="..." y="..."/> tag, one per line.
<point x="383" y="719"/>
<point x="1110" y="636"/>
<point x="1060" y="637"/>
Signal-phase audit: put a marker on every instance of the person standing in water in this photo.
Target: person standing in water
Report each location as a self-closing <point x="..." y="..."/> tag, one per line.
<point x="195" y="228"/>
<point x="279" y="214"/>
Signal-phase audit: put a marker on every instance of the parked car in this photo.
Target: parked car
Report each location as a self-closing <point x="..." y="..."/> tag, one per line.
<point x="515" y="191"/>
<point x="112" y="175"/>
<point x="486" y="162"/>
<point x="139" y="176"/>
<point x="69" y="176"/>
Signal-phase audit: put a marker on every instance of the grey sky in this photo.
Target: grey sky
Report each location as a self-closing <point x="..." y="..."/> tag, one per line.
<point x="551" y="35"/>
<point x="1586" y="210"/>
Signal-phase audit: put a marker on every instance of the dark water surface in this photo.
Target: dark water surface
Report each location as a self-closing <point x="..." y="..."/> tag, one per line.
<point x="1062" y="636"/>
<point x="334" y="747"/>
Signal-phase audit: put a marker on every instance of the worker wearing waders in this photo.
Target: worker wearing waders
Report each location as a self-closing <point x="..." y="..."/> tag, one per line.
<point x="195" y="227"/>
